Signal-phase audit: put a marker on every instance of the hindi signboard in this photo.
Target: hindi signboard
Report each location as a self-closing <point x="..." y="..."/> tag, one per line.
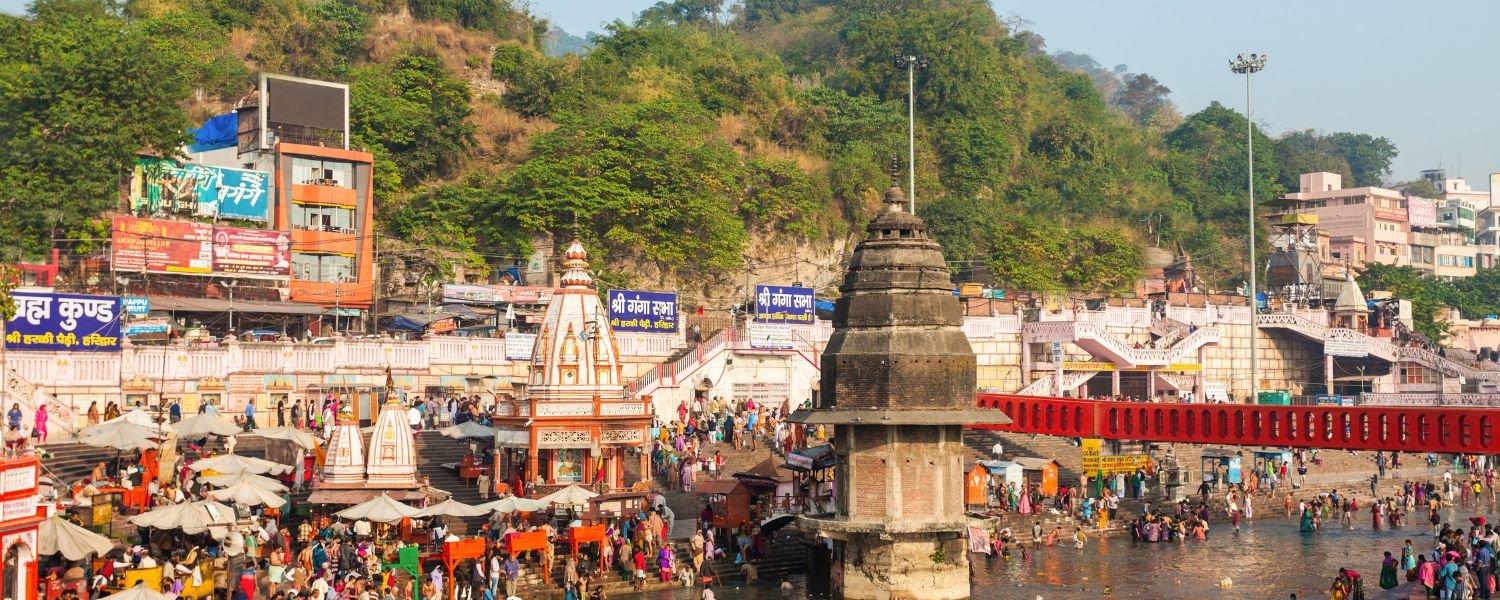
<point x="784" y="304"/>
<point x="162" y="187"/>
<point x="645" y="312"/>
<point x="497" y="294"/>
<point x="518" y="345"/>
<point x="770" y="337"/>
<point x="252" y="252"/>
<point x="137" y="305"/>
<point x="1349" y="348"/>
<point x="1421" y="212"/>
<point x="64" y="322"/>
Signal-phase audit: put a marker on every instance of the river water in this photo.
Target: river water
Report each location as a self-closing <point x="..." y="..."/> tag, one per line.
<point x="1268" y="558"/>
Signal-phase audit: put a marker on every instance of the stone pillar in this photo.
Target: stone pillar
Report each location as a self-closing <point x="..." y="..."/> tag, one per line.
<point x="1200" y="381"/>
<point x="1114" y="382"/>
<point x="1150" y="385"/>
<point x="1328" y="374"/>
<point x="1025" y="362"/>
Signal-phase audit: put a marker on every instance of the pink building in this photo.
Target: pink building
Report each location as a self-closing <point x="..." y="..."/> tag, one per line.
<point x="1366" y="224"/>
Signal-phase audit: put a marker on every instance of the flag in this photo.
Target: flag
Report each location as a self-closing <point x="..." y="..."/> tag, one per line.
<point x="700" y="310"/>
<point x="510" y="312"/>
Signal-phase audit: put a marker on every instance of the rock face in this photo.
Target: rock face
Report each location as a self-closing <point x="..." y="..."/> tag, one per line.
<point x="898" y="383"/>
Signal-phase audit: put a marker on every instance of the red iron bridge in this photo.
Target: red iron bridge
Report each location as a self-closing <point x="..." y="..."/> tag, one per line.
<point x="1403" y="429"/>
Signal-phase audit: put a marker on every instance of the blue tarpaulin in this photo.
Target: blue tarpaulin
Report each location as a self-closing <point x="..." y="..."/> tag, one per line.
<point x="218" y="132"/>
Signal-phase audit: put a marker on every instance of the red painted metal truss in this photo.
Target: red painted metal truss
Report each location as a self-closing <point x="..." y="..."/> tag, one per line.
<point x="1406" y="429"/>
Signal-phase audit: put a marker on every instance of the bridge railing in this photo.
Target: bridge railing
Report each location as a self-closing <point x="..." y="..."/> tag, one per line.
<point x="1407" y="429"/>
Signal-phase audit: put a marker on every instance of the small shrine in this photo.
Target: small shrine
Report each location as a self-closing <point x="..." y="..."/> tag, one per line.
<point x="574" y="425"/>
<point x="353" y="474"/>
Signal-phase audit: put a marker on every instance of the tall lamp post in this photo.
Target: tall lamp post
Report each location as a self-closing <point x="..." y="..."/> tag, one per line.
<point x="1247" y="66"/>
<point x="911" y="63"/>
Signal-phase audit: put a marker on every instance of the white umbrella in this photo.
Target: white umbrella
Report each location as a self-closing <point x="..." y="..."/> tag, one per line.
<point x="514" y="504"/>
<point x="380" y="509"/>
<point x="247" y="494"/>
<point x="120" y="435"/>
<point x="260" y="481"/>
<point x="137" y="592"/>
<point x="451" y="508"/>
<point x="58" y="536"/>
<point x="234" y="463"/>
<point x="191" y="517"/>
<point x="203" y="425"/>
<point x="137" y="416"/>
<point x="468" y="429"/>
<point x="573" y="495"/>
<point x="291" y="434"/>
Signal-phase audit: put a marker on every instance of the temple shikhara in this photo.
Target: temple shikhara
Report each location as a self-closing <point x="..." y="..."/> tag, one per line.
<point x="897" y="385"/>
<point x="353" y="473"/>
<point x="573" y="415"/>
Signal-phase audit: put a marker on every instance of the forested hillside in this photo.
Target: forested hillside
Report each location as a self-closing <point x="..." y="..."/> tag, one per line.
<point x="674" y="142"/>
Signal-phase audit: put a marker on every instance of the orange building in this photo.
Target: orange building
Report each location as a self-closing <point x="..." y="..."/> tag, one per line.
<point x="324" y="198"/>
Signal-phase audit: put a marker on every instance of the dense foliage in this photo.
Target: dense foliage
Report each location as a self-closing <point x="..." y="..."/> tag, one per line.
<point x="684" y="140"/>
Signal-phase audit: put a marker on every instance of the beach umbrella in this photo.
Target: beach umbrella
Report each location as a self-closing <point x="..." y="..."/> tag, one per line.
<point x="137" y="592"/>
<point x="468" y="429"/>
<point x="451" y="508"/>
<point x="260" y="481"/>
<point x="514" y="504"/>
<point x="290" y="434"/>
<point x="380" y="509"/>
<point x="247" y="494"/>
<point x="203" y="425"/>
<point x="58" y="536"/>
<point x="138" y="416"/>
<point x="573" y="495"/>
<point x="191" y="517"/>
<point x="234" y="463"/>
<point x="120" y="435"/>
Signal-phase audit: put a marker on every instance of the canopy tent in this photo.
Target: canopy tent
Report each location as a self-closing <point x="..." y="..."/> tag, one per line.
<point x="245" y="477"/>
<point x="468" y="429"/>
<point x="514" y="504"/>
<point x="380" y="509"/>
<point x="451" y="508"/>
<point x="138" y="592"/>
<point x="234" y="463"/>
<point x="290" y="434"/>
<point x="573" y="495"/>
<point x="58" y="536"/>
<point x="203" y="425"/>
<point x="191" y="517"/>
<point x="815" y="458"/>
<point x="137" y="416"/>
<point x="247" y="494"/>
<point x="120" y="435"/>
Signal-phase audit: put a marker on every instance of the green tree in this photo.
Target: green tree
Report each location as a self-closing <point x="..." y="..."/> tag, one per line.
<point x="82" y="91"/>
<point x="1307" y="151"/>
<point x="1369" y="157"/>
<point x="416" y="114"/>
<point x="1427" y="294"/>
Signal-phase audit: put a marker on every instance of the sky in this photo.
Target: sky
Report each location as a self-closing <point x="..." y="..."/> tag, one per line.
<point x="1413" y="72"/>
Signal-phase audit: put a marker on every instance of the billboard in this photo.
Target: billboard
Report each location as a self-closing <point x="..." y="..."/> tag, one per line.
<point x="783" y="304"/>
<point x="162" y="186"/>
<point x="646" y="312"/>
<point x="518" y="345"/>
<point x="184" y="247"/>
<point x="770" y="337"/>
<point x="496" y="294"/>
<point x="64" y="322"/>
<point x="1421" y="212"/>
<point x="252" y="252"/>
<point x="162" y="246"/>
<point x="137" y="305"/>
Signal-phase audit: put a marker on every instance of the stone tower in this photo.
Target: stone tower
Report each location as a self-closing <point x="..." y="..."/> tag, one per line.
<point x="898" y="383"/>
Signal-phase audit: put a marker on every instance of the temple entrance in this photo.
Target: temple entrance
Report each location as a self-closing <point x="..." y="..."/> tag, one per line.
<point x="15" y="572"/>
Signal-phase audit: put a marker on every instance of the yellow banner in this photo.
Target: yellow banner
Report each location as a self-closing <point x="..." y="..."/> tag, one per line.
<point x="1074" y="365"/>
<point x="1090" y="448"/>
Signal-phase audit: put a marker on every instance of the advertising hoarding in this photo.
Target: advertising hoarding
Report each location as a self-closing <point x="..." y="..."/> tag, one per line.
<point x="496" y="294"/>
<point x="184" y="247"/>
<point x="161" y="187"/>
<point x="1421" y="212"/>
<point x="252" y="252"/>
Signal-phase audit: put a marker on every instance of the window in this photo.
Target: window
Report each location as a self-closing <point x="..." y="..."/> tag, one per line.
<point x="1466" y="262"/>
<point x="311" y="171"/>
<point x="327" y="268"/>
<point x="323" y="218"/>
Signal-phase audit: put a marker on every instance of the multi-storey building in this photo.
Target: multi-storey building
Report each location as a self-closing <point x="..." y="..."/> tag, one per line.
<point x="1365" y="224"/>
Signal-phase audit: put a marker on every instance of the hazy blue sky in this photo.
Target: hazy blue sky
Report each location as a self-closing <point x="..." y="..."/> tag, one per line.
<point x="1413" y="72"/>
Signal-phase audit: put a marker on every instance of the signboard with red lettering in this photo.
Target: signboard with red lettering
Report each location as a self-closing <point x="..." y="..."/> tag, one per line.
<point x="161" y="246"/>
<point x="252" y="252"/>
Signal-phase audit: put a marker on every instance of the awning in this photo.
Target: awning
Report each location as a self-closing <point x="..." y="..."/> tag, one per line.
<point x="717" y="486"/>
<point x="169" y="303"/>
<point x="360" y="495"/>
<point x="815" y="458"/>
<point x="512" y="438"/>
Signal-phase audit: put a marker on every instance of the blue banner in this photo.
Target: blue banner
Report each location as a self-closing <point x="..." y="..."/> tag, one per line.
<point x="137" y="305"/>
<point x="784" y="304"/>
<point x="164" y="187"/>
<point x="645" y="312"/>
<point x="47" y="321"/>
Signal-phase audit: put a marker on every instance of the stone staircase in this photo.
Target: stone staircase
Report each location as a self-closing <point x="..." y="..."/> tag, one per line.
<point x="1069" y="457"/>
<point x="1169" y="331"/>
<point x="1043" y="386"/>
<point x="435" y="454"/>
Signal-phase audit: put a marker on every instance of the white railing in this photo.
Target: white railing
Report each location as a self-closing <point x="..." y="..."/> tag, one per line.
<point x="1429" y="399"/>
<point x="266" y="359"/>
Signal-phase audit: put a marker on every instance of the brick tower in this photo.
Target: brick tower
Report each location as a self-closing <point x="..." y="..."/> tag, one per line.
<point x="898" y="383"/>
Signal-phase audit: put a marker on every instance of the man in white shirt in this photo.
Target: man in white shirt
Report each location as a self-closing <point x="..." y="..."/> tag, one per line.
<point x="362" y="528"/>
<point x="997" y="450"/>
<point x="414" y="418"/>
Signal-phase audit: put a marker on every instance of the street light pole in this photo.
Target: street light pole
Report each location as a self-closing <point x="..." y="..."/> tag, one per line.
<point x="1248" y="66"/>
<point x="911" y="63"/>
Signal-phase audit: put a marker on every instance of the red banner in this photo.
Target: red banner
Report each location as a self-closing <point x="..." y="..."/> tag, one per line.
<point x="161" y="246"/>
<point x="252" y="252"/>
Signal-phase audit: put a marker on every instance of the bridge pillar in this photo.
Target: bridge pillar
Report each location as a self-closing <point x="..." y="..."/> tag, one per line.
<point x="1114" y="382"/>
